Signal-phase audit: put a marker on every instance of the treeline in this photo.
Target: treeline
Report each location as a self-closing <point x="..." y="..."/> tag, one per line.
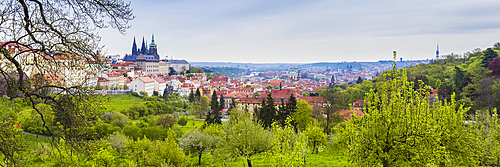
<point x="225" y="71"/>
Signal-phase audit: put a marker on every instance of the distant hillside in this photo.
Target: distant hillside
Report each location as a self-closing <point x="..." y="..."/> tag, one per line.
<point x="329" y="65"/>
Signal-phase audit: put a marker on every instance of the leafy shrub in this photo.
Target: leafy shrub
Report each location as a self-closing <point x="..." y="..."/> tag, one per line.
<point x="166" y="121"/>
<point x="182" y="121"/>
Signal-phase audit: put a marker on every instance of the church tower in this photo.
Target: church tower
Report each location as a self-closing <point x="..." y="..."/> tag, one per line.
<point x="152" y="47"/>
<point x="437" y="52"/>
<point x="134" y="48"/>
<point x="299" y="76"/>
<point x="143" y="48"/>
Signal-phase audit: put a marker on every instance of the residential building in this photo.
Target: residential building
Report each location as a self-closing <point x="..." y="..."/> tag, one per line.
<point x="143" y="84"/>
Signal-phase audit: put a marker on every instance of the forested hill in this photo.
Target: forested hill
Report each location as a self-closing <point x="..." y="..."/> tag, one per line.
<point x="474" y="77"/>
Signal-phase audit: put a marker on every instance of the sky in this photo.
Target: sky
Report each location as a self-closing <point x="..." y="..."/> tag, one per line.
<point x="307" y="31"/>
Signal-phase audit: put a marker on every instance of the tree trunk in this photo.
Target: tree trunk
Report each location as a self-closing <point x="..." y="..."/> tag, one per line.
<point x="199" y="158"/>
<point x="314" y="147"/>
<point x="249" y="162"/>
<point x="317" y="148"/>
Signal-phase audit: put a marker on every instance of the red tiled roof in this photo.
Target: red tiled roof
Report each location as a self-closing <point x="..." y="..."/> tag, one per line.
<point x="159" y="80"/>
<point x="146" y="79"/>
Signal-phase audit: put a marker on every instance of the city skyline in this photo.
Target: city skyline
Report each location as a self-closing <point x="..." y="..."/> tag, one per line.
<point x="308" y="31"/>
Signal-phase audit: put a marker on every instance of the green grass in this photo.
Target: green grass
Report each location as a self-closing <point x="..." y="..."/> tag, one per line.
<point x="326" y="158"/>
<point x="121" y="102"/>
<point x="191" y="124"/>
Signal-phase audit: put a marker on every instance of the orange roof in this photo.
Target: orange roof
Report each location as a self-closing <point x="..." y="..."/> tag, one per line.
<point x="146" y="79"/>
<point x="159" y="80"/>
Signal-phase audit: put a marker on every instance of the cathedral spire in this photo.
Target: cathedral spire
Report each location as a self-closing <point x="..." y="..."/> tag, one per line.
<point x="152" y="40"/>
<point x="134" y="48"/>
<point x="143" y="47"/>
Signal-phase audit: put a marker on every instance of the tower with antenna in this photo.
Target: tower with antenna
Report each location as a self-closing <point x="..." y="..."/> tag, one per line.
<point x="437" y="52"/>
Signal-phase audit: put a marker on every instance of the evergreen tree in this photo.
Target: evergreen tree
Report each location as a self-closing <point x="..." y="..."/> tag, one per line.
<point x="166" y="94"/>
<point x="268" y="111"/>
<point x="233" y="103"/>
<point x="461" y="80"/>
<point x="359" y="80"/>
<point x="214" y="104"/>
<point x="197" y="96"/>
<point x="489" y="54"/>
<point x="191" y="96"/>
<point x="221" y="102"/>
<point x="214" y="117"/>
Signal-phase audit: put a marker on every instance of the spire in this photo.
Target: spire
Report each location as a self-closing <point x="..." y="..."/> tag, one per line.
<point x="134" y="48"/>
<point x="147" y="49"/>
<point x="152" y="41"/>
<point x="143" y="47"/>
<point x="437" y="52"/>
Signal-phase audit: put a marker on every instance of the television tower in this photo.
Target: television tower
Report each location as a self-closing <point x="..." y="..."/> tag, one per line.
<point x="437" y="52"/>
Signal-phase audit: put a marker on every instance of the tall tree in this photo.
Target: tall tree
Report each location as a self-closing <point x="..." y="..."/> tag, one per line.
<point x="244" y="137"/>
<point x="461" y="80"/>
<point x="267" y="113"/>
<point x="336" y="101"/>
<point x="214" y="104"/>
<point x="197" y="96"/>
<point x="214" y="117"/>
<point x="359" y="81"/>
<point x="489" y="54"/>
<point x="197" y="142"/>
<point x="233" y="103"/>
<point x="50" y="37"/>
<point x="496" y="45"/>
<point x="221" y="102"/>
<point x="191" y="97"/>
<point x="303" y="115"/>
<point x="494" y="67"/>
<point x="403" y="129"/>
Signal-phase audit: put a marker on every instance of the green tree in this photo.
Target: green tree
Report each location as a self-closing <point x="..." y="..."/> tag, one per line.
<point x="233" y="103"/>
<point x="244" y="137"/>
<point x="221" y="102"/>
<point x="191" y="97"/>
<point x="166" y="121"/>
<point x="337" y="101"/>
<point x="303" y="115"/>
<point x="42" y="31"/>
<point x="269" y="87"/>
<point x="33" y="122"/>
<point x="489" y="54"/>
<point x="214" y="116"/>
<point x="255" y="94"/>
<point x="182" y="121"/>
<point x="315" y="136"/>
<point x="156" y="153"/>
<point x="197" y="96"/>
<point x="248" y="86"/>
<point x="118" y="119"/>
<point x="267" y="113"/>
<point x="289" y="148"/>
<point x="403" y="129"/>
<point x="143" y="94"/>
<point x="198" y="142"/>
<point x="12" y="144"/>
<point x="359" y="81"/>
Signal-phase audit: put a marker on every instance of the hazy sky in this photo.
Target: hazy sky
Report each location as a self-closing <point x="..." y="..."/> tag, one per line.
<point x="308" y="30"/>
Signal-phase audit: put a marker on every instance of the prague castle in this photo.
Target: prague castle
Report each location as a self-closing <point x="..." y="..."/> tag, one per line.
<point x="148" y="59"/>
